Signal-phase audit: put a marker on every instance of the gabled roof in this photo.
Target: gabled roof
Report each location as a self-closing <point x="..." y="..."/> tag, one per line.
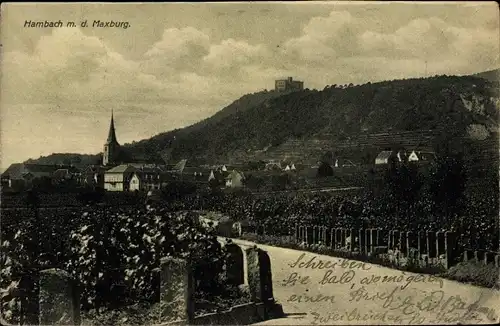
<point x="124" y="168"/>
<point x="17" y="170"/>
<point x="60" y="174"/>
<point x="145" y="168"/>
<point x="234" y="174"/>
<point x="384" y="155"/>
<point x="14" y="171"/>
<point x="425" y="155"/>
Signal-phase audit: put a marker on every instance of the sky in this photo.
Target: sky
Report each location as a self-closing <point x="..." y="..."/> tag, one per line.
<point x="178" y="63"/>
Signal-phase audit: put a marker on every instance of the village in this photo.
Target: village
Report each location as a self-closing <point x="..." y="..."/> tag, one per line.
<point x="114" y="175"/>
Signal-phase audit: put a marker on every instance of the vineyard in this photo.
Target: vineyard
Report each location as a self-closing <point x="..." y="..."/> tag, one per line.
<point x="111" y="243"/>
<point x="113" y="254"/>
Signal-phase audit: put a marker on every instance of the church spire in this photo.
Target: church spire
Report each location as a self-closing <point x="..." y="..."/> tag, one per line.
<point x="112" y="134"/>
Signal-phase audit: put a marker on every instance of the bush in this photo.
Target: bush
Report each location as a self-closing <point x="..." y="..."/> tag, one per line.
<point x="475" y="273"/>
<point x="113" y="255"/>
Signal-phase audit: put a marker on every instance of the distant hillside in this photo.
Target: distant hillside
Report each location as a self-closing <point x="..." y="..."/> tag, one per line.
<point x="491" y="75"/>
<point x="149" y="149"/>
<point x="269" y="124"/>
<point x="448" y="105"/>
<point x="68" y="159"/>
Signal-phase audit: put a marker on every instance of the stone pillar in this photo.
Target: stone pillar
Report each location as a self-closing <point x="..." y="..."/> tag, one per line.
<point x="326" y="235"/>
<point x="343" y="237"/>
<point x="466" y="255"/>
<point x="403" y="245"/>
<point x="253" y="268"/>
<point x="176" y="290"/>
<point x="234" y="265"/>
<point x="324" y="231"/>
<point x="59" y="300"/>
<point x="315" y="234"/>
<point x="449" y="248"/>
<point x="332" y="238"/>
<point x="368" y="241"/>
<point x="432" y="244"/>
<point x="338" y="237"/>
<point x="422" y="242"/>
<point x="393" y="239"/>
<point x="411" y="241"/>
<point x="350" y="246"/>
<point x="309" y="235"/>
<point x="489" y="257"/>
<point x="266" y="277"/>
<point x="362" y="243"/>
<point x="375" y="240"/>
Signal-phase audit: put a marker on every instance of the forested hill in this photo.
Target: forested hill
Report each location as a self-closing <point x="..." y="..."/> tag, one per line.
<point x="268" y="119"/>
<point x="447" y="103"/>
<point x="491" y="75"/>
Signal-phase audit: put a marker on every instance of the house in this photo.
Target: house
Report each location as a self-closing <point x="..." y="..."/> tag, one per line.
<point x="19" y="176"/>
<point x="276" y="166"/>
<point x="146" y="177"/>
<point x="66" y="175"/>
<point x="118" y="178"/>
<point x="211" y="176"/>
<point x="235" y="179"/>
<point x="196" y="174"/>
<point x="385" y="157"/>
<point x="93" y="176"/>
<point x="419" y="156"/>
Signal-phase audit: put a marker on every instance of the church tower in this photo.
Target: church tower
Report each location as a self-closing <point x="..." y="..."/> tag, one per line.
<point x="111" y="147"/>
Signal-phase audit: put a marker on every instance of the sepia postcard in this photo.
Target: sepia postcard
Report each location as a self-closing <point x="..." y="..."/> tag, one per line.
<point x="250" y="163"/>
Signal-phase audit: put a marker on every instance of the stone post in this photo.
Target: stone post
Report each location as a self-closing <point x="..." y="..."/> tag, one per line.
<point x="422" y="242"/>
<point x="368" y="241"/>
<point x="432" y="244"/>
<point x="315" y="234"/>
<point x="338" y="238"/>
<point x="450" y="248"/>
<point x="351" y="244"/>
<point x="309" y="235"/>
<point x="234" y="265"/>
<point x="362" y="247"/>
<point x="266" y="277"/>
<point x="402" y="243"/>
<point x="254" y="274"/>
<point x="59" y="300"/>
<point x="176" y="290"/>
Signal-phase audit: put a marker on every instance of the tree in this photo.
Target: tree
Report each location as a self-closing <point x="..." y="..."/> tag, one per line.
<point x="447" y="185"/>
<point x="324" y="170"/>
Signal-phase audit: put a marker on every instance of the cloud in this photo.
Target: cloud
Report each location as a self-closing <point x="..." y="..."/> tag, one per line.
<point x="434" y="40"/>
<point x="188" y="64"/>
<point x="230" y="53"/>
<point x="178" y="49"/>
<point x="320" y="38"/>
<point x="68" y="65"/>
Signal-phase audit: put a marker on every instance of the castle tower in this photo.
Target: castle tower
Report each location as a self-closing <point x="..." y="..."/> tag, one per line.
<point x="111" y="147"/>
